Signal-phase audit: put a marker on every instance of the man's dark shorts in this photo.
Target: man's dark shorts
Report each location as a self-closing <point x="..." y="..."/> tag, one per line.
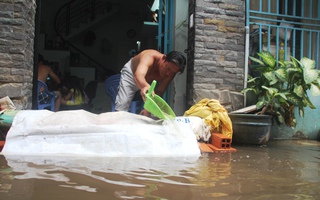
<point x="45" y="97"/>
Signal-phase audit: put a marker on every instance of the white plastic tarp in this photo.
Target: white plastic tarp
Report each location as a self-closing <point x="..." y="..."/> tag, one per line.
<point x="112" y="134"/>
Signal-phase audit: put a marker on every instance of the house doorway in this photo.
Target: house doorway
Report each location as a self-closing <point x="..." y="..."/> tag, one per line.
<point x="94" y="39"/>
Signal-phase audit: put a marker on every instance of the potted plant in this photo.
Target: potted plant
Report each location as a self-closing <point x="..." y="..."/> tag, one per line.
<point x="280" y="87"/>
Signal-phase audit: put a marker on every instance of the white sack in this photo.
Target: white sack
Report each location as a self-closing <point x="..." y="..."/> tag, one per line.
<point x="109" y="134"/>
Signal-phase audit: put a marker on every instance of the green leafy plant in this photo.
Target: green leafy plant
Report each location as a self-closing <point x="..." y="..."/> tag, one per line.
<point x="283" y="85"/>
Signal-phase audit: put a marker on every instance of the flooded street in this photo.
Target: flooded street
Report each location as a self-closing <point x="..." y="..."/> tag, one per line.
<point x="281" y="170"/>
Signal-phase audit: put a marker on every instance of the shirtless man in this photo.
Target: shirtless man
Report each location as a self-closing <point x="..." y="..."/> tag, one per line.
<point x="141" y="70"/>
<point x="43" y="72"/>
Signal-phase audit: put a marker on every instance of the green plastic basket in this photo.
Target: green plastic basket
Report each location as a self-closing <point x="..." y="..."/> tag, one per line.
<point x="157" y="106"/>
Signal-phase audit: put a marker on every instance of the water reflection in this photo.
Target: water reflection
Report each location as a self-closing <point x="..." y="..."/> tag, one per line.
<point x="130" y="177"/>
<point x="281" y="170"/>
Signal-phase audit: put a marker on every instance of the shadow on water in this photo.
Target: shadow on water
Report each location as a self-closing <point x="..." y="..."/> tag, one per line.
<point x="280" y="170"/>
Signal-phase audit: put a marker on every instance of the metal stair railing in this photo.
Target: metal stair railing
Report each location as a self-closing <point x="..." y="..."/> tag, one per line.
<point x="72" y="14"/>
<point x="75" y="12"/>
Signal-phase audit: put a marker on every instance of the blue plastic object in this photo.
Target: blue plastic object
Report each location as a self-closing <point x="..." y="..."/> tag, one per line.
<point x="112" y="84"/>
<point x="7" y="116"/>
<point x="49" y="105"/>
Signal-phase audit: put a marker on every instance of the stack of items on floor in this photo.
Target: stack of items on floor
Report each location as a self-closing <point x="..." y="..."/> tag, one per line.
<point x="7" y="112"/>
<point x="216" y="117"/>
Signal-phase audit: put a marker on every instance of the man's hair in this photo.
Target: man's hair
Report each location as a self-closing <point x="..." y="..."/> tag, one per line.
<point x="177" y="58"/>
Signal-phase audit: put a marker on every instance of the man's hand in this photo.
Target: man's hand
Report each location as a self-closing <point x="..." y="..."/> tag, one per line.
<point x="145" y="113"/>
<point x="144" y="91"/>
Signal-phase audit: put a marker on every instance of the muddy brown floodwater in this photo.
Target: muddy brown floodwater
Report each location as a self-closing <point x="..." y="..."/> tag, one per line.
<point x="284" y="169"/>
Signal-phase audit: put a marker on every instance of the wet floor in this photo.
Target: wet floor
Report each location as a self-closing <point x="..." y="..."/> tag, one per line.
<point x="281" y="170"/>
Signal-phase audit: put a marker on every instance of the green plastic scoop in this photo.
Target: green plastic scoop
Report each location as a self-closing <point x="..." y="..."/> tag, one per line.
<point x="157" y="106"/>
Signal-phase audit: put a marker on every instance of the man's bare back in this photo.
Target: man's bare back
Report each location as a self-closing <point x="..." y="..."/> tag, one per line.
<point x="44" y="71"/>
<point x="151" y="59"/>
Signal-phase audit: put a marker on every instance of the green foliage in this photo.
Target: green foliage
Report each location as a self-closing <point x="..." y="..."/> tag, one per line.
<point x="283" y="85"/>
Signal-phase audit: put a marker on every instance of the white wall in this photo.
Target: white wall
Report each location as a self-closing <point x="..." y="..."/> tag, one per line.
<point x="307" y="126"/>
<point x="180" y="44"/>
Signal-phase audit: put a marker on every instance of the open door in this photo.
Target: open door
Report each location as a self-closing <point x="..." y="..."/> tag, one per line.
<point x="165" y="35"/>
<point x="190" y="52"/>
<point x="165" y="25"/>
<point x="35" y="57"/>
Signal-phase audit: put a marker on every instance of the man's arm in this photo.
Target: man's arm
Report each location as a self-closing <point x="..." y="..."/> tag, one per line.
<point x="161" y="88"/>
<point x="53" y="76"/>
<point x="140" y="74"/>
